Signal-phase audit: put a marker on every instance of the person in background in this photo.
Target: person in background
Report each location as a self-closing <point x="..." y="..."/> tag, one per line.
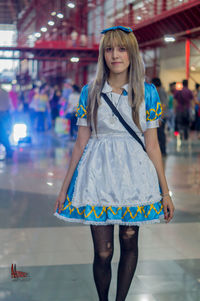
<point x="22" y="106"/>
<point x="4" y="122"/>
<point x="54" y="103"/>
<point x="183" y="106"/>
<point x="13" y="95"/>
<point x="164" y="102"/>
<point x="170" y="111"/>
<point x="67" y="90"/>
<point x="197" y="109"/>
<point x="25" y="100"/>
<point x="42" y="106"/>
<point x="83" y="40"/>
<point x="48" y="120"/>
<point x="74" y="37"/>
<point x="31" y="94"/>
<point x="33" y="102"/>
<point x="70" y="112"/>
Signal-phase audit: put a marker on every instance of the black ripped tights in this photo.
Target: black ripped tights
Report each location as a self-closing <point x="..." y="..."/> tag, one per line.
<point x="103" y="251"/>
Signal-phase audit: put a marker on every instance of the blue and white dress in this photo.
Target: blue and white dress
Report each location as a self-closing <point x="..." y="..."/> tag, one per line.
<point x="115" y="182"/>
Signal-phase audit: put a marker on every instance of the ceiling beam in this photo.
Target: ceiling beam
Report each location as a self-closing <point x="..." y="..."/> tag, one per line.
<point x="12" y="10"/>
<point x="26" y="14"/>
<point x="169" y="13"/>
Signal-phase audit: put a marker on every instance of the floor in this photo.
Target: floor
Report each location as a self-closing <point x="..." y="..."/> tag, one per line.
<point x="58" y="256"/>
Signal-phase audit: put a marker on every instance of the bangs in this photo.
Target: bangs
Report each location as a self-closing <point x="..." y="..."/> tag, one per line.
<point x="115" y="38"/>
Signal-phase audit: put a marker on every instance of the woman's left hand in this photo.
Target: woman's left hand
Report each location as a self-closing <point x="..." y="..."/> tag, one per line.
<point x="168" y="208"/>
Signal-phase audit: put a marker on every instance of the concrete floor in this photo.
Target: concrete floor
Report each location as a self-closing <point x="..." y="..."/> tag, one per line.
<point x="59" y="255"/>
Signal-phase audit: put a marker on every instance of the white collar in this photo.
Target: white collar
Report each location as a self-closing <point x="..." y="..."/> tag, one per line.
<point x="107" y="88"/>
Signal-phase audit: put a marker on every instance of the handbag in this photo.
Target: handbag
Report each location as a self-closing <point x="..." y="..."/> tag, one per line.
<point x="121" y="119"/>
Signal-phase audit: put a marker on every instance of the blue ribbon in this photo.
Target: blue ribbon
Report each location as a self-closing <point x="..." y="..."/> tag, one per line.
<point x="126" y="29"/>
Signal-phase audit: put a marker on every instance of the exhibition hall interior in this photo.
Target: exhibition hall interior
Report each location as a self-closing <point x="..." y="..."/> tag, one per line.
<point x="49" y="51"/>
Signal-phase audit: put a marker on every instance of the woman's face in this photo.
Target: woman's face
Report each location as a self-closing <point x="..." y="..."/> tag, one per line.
<point x="117" y="59"/>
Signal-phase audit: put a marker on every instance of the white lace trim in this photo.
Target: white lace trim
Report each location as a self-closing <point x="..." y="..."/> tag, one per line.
<point x="152" y="124"/>
<point x="82" y="122"/>
<point x="109" y="222"/>
<point x="98" y="203"/>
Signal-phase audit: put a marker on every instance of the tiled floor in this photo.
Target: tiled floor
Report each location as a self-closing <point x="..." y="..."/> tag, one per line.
<point x="59" y="255"/>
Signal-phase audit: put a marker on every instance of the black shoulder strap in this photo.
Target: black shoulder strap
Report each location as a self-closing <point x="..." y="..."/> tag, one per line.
<point x="121" y="119"/>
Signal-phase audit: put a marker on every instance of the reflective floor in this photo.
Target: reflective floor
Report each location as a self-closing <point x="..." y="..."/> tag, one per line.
<point x="59" y="255"/>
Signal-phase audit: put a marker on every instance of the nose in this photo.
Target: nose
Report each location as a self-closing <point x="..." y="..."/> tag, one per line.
<point x="114" y="53"/>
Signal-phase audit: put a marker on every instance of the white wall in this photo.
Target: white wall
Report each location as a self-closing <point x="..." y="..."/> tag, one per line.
<point x="172" y="64"/>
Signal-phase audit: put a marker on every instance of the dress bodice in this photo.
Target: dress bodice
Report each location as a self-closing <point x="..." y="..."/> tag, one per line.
<point x="149" y="113"/>
<point x="108" y="123"/>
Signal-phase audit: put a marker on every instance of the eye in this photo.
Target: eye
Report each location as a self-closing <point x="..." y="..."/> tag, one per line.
<point x="122" y="49"/>
<point x="108" y="49"/>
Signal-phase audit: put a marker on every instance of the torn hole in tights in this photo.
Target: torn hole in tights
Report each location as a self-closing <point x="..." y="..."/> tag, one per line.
<point x="129" y="233"/>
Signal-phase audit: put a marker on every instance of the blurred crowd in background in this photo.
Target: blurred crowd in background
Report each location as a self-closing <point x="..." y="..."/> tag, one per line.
<point x="41" y="108"/>
<point x="45" y="108"/>
<point x="181" y="111"/>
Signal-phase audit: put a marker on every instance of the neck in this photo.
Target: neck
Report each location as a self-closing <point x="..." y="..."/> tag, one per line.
<point x="117" y="80"/>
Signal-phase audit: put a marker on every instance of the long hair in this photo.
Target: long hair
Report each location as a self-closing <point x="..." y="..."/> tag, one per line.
<point x="135" y="75"/>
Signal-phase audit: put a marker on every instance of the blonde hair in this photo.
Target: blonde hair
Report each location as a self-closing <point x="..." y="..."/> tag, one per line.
<point x="136" y="74"/>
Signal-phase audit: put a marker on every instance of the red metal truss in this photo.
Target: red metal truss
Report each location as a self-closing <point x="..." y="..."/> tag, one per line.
<point x="158" y="19"/>
<point x="51" y="54"/>
<point x="12" y="10"/>
<point x="150" y="22"/>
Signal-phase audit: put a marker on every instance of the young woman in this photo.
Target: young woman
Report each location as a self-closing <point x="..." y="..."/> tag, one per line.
<point x="111" y="179"/>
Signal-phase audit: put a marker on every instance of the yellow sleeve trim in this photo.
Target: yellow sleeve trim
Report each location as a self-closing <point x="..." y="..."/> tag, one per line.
<point x="157" y="112"/>
<point x="81" y="110"/>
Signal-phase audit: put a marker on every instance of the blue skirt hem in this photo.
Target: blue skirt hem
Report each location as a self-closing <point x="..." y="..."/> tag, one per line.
<point x="112" y="215"/>
<point x="109" y="222"/>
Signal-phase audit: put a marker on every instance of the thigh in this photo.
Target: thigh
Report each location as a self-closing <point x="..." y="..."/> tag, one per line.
<point x="102" y="237"/>
<point x="186" y="118"/>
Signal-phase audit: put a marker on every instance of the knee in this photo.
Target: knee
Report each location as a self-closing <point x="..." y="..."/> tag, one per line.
<point x="104" y="257"/>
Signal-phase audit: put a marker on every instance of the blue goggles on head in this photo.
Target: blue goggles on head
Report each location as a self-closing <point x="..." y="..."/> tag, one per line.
<point x="123" y="28"/>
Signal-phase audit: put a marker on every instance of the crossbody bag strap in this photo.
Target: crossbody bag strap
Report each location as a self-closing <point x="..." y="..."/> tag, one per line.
<point x="123" y="122"/>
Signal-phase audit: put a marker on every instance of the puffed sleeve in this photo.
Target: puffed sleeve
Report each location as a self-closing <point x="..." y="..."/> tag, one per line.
<point x="81" y="112"/>
<point x="153" y="106"/>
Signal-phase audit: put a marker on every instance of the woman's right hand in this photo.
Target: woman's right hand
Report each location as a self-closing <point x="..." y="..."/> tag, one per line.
<point x="59" y="202"/>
